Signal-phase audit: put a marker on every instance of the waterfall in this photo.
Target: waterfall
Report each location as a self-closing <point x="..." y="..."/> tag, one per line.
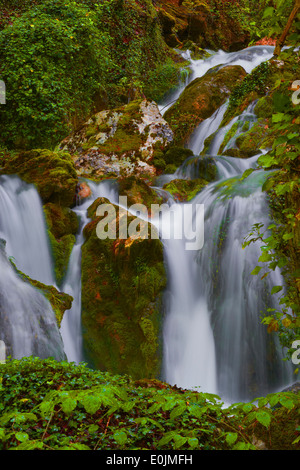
<point x="248" y="59"/>
<point x="23" y="226"/>
<point x="28" y="325"/>
<point x="71" y="324"/>
<point x="213" y="337"/>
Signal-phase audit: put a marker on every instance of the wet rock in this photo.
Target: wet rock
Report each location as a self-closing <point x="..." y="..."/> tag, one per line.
<point x="120" y="142"/>
<point x="200" y="99"/>
<point x="53" y="174"/>
<point x="123" y="280"/>
<point x="185" y="190"/>
<point x="182" y="21"/>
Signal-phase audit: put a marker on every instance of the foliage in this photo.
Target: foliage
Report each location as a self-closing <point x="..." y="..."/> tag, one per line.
<point x="49" y="405"/>
<point x="61" y="60"/>
<point x="256" y="82"/>
<point x="280" y="249"/>
<point x="52" y="66"/>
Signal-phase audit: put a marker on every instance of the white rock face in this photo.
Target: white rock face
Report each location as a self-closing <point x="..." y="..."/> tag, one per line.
<point x="98" y="149"/>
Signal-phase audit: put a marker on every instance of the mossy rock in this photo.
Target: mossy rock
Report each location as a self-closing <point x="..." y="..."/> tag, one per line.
<point x="185" y="190"/>
<point x="122" y="285"/>
<point x="200" y="99"/>
<point x="59" y="301"/>
<point x="259" y="136"/>
<point x="177" y="155"/>
<point x="203" y="167"/>
<point x="53" y="173"/>
<point x="138" y="191"/>
<point x="61" y="221"/>
<point x="62" y="224"/>
<point x="122" y="141"/>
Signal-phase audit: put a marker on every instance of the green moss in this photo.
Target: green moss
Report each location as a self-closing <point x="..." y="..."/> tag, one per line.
<point x="60" y="220"/>
<point x="53" y="173"/>
<point x="62" y="224"/>
<point x="264" y="107"/>
<point x="259" y="136"/>
<point x="170" y="169"/>
<point x="122" y="284"/>
<point x="137" y="191"/>
<point x="185" y="190"/>
<point x="59" y="301"/>
<point x="229" y="136"/>
<point x="61" y="250"/>
<point x="121" y="143"/>
<point x="177" y="155"/>
<point x="200" y="99"/>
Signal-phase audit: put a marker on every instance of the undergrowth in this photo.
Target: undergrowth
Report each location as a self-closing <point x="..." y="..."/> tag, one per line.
<point x="52" y="405"/>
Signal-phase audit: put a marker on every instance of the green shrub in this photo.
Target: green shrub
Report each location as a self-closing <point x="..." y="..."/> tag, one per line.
<point x="54" y="58"/>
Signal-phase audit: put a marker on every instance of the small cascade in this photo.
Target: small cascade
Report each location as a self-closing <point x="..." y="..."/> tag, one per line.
<point x="243" y="123"/>
<point x="71" y="330"/>
<point x="206" y="128"/>
<point x="23" y="226"/>
<point x="213" y="337"/>
<point x="28" y="325"/>
<point x="248" y="59"/>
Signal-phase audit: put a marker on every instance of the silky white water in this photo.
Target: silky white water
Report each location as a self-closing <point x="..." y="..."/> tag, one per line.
<point x="71" y="330"/>
<point x="23" y="227"/>
<point x="28" y="324"/>
<point x="247" y="58"/>
<point x="213" y="337"/>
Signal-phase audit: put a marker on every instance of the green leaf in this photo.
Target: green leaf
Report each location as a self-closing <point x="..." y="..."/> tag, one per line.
<point x="166" y="438"/>
<point x="22" y="436"/>
<point x="278" y="117"/>
<point x="91" y="403"/>
<point x="120" y="437"/>
<point x="197" y="411"/>
<point x="68" y="405"/>
<point x="179" y="440"/>
<point x="269" y="11"/>
<point x="231" y="438"/>
<point x="93" y="428"/>
<point x="266" y="161"/>
<point x="286" y="402"/>
<point x="288" y="236"/>
<point x="263" y="418"/>
<point x="46" y="408"/>
<point x="193" y="442"/>
<point x="256" y="270"/>
<point x="30" y="445"/>
<point x="265" y="257"/>
<point x="247" y="408"/>
<point x="179" y="410"/>
<point x="276" y="289"/>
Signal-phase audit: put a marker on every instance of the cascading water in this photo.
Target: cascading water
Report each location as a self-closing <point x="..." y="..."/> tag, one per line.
<point x="247" y="118"/>
<point x="248" y="58"/>
<point x="27" y="322"/>
<point x="22" y="225"/>
<point x="71" y="324"/>
<point x="213" y="336"/>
